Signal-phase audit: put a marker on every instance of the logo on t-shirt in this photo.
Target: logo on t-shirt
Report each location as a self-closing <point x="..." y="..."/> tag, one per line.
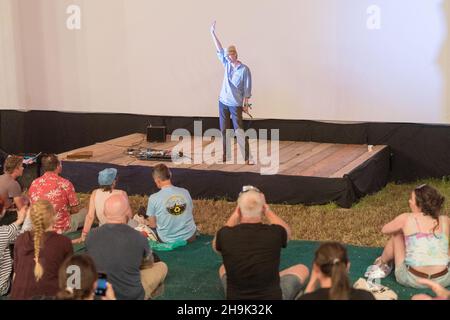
<point x="176" y="205"/>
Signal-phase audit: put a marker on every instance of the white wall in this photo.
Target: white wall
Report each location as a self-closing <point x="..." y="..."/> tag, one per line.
<point x="310" y="59"/>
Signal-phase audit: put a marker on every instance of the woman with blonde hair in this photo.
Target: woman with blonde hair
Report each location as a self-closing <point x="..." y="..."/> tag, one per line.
<point x="38" y="254"/>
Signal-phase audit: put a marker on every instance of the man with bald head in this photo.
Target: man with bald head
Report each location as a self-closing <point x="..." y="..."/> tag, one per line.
<point x="251" y="252"/>
<point x="124" y="254"/>
<point x="234" y="96"/>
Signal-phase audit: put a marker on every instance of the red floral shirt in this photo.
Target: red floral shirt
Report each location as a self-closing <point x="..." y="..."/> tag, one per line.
<point x="60" y="192"/>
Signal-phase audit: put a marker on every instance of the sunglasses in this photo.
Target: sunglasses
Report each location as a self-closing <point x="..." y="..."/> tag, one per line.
<point x="420" y="187"/>
<point x="249" y="188"/>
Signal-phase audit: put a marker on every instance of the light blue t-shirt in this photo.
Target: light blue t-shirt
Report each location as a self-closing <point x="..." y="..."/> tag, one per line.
<point x="172" y="207"/>
<point x="237" y="82"/>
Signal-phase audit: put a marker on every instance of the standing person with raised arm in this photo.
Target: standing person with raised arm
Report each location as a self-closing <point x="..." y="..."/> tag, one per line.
<point x="234" y="96"/>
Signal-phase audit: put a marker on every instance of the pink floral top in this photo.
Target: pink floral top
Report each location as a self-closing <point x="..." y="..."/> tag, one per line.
<point x="60" y="192"/>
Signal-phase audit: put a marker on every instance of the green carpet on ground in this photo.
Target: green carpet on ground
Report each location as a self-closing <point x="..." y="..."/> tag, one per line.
<point x="193" y="269"/>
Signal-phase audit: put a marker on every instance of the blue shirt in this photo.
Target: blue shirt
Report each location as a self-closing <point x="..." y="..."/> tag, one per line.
<point x="237" y="82"/>
<point x="172" y="208"/>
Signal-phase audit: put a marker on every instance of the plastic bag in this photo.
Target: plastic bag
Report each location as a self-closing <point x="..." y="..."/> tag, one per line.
<point x="379" y="291"/>
<point x="166" y="246"/>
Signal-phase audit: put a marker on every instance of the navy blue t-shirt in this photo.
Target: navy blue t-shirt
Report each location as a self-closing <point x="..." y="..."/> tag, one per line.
<point x="118" y="250"/>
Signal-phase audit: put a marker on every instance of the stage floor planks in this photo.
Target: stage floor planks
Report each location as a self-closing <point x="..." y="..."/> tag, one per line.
<point x="296" y="158"/>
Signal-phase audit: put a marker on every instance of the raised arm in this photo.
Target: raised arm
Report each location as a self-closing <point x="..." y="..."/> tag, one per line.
<point x="235" y="218"/>
<point x="232" y="221"/>
<point x="274" y="219"/>
<point x="214" y="36"/>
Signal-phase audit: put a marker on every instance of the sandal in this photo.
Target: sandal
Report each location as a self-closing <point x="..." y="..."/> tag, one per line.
<point x="378" y="270"/>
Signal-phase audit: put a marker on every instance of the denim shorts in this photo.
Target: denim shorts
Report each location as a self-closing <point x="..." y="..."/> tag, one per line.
<point x="290" y="285"/>
<point x="407" y="279"/>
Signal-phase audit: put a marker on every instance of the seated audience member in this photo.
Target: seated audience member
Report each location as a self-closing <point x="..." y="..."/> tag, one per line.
<point x="440" y="291"/>
<point x="87" y="285"/>
<point x="38" y="254"/>
<point x="3" y="156"/>
<point x="107" y="180"/>
<point x="170" y="209"/>
<point x="251" y="253"/>
<point x="329" y="276"/>
<point x="419" y="242"/>
<point x="61" y="194"/>
<point x="124" y="254"/>
<point x="10" y="190"/>
<point x="8" y="235"/>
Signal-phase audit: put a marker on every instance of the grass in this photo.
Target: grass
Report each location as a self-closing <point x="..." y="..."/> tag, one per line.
<point x="359" y="225"/>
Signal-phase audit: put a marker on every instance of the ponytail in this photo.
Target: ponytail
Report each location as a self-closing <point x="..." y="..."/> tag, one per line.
<point x="332" y="259"/>
<point x="340" y="283"/>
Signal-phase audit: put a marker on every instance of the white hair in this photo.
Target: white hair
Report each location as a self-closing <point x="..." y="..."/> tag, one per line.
<point x="251" y="204"/>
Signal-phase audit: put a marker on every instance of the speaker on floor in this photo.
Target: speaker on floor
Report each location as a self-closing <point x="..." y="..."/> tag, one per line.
<point x="156" y="133"/>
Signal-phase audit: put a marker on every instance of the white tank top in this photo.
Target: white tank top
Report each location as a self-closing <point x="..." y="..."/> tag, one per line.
<point x="99" y="202"/>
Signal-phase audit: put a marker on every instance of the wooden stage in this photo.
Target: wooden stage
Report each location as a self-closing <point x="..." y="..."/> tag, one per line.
<point x="308" y="172"/>
<point x="307" y="159"/>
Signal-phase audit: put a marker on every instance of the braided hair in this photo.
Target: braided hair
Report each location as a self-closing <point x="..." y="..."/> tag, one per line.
<point x="42" y="216"/>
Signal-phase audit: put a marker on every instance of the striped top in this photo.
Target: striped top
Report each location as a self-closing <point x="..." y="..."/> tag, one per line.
<point x="8" y="235"/>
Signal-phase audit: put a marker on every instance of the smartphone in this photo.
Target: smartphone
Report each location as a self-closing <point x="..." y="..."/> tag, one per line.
<point x="101" y="284"/>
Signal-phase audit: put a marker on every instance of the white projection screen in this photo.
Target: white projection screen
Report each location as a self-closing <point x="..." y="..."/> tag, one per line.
<point x="333" y="60"/>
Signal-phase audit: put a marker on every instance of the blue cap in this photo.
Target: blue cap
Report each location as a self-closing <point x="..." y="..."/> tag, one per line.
<point x="107" y="176"/>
